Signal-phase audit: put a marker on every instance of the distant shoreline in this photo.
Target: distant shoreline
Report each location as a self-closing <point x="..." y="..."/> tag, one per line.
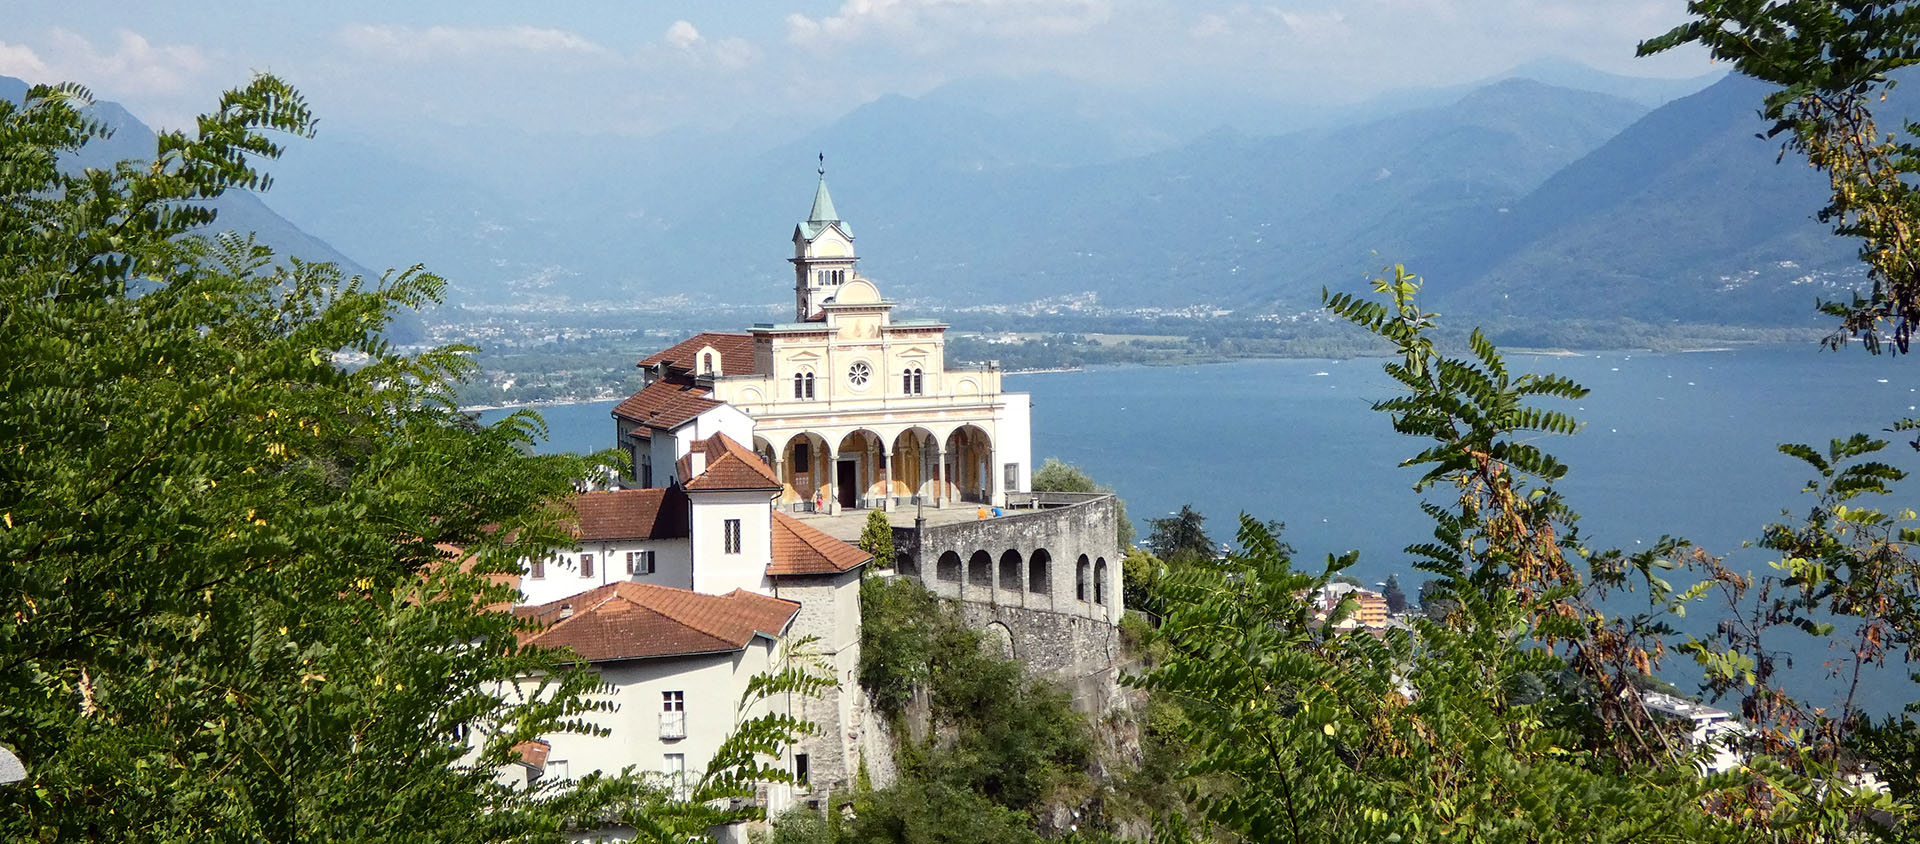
<point x="1379" y="354"/>
<point x="531" y="405"/>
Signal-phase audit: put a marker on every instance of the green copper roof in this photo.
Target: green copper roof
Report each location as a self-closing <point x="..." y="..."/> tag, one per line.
<point x="823" y="205"/>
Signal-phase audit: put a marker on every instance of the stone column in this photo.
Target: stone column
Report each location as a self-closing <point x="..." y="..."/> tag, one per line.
<point x="830" y="475"/>
<point x="886" y="479"/>
<point x="940" y="465"/>
<point x="990" y="484"/>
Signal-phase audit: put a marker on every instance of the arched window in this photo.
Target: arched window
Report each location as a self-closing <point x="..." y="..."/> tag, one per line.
<point x="706" y="363"/>
<point x="1040" y="571"/>
<point x="980" y="569"/>
<point x="1080" y="574"/>
<point x="799" y="386"/>
<point x="1010" y="570"/>
<point x="1100" y="581"/>
<point x="809" y="385"/>
<point x="910" y="381"/>
<point x="948" y="567"/>
<point x="917" y="384"/>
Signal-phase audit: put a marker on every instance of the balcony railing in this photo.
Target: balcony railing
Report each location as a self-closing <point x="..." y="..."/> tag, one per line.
<point x="673" y="725"/>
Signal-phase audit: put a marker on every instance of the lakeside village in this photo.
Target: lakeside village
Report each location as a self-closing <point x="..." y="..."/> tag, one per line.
<point x="757" y="458"/>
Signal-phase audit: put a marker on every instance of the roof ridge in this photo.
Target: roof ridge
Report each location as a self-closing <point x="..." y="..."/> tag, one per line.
<point x="575" y="612"/>
<point x="726" y="602"/>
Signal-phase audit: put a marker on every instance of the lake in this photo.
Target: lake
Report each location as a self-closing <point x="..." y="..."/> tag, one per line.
<point x="1680" y="444"/>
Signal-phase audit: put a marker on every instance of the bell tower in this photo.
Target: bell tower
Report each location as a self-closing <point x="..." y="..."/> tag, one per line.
<point x="823" y="256"/>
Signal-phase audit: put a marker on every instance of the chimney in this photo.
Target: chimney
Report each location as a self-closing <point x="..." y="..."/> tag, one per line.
<point x="696" y="461"/>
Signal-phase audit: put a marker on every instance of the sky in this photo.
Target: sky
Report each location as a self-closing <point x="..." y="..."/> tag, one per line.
<point x="645" y="68"/>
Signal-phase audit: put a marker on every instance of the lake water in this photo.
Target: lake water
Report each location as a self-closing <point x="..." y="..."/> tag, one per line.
<point x="1680" y="444"/>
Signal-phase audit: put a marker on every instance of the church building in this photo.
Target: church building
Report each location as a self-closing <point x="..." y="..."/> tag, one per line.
<point x="851" y="407"/>
<point x="719" y="550"/>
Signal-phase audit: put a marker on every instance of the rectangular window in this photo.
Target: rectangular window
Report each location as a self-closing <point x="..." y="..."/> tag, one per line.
<point x="538" y="568"/>
<point x="733" y="536"/>
<point x="677" y="772"/>
<point x="646" y="471"/>
<point x="639" y="562"/>
<point x="586" y="565"/>
<point x="673" y="716"/>
<point x="800" y="455"/>
<point x="1013" y="477"/>
<point x="802" y="767"/>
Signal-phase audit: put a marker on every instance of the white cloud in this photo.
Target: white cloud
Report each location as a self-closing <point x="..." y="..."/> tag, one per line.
<point x="941" y="19"/>
<point x="682" y="34"/>
<point x="726" y="53"/>
<point x="21" y="61"/>
<point x="1209" y="26"/>
<point x="407" y="43"/>
<point x="1316" y="26"/>
<point x="133" y="66"/>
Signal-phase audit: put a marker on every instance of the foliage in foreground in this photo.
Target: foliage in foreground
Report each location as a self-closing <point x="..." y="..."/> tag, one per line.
<point x="247" y="592"/>
<point x="1512" y="715"/>
<point x="1832" y="60"/>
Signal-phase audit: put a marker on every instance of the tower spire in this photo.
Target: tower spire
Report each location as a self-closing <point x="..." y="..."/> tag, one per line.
<point x="822" y="203"/>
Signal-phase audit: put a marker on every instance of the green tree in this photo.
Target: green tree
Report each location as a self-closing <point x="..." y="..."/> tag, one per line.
<point x="876" y="538"/>
<point x="997" y="742"/>
<point x="1434" y="602"/>
<point x="1141" y="581"/>
<point x="1833" y="61"/>
<point x="1514" y="717"/>
<point x="1846" y="572"/>
<point x="247" y="592"/>
<point x="1396" y="599"/>
<point x="1055" y="475"/>
<point x="1180" y="537"/>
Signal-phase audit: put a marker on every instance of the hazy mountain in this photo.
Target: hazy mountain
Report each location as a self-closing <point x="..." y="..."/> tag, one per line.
<point x="1513" y="196"/>
<point x="1227" y="218"/>
<point x="238" y="210"/>
<point x="1684" y="215"/>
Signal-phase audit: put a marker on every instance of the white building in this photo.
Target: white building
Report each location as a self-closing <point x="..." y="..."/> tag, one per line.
<point x="676" y="664"/>
<point x="851" y="407"/>
<point x="1712" y="731"/>
<point x="677" y="596"/>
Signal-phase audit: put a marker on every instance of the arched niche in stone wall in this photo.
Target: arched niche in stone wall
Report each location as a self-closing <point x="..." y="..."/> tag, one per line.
<point x="1000" y="637"/>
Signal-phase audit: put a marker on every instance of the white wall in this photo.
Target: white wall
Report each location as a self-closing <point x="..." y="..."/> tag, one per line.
<point x="725" y="419"/>
<point x="715" y="571"/>
<point x="1013" y="443"/>
<point x="712" y="686"/>
<point x="673" y="566"/>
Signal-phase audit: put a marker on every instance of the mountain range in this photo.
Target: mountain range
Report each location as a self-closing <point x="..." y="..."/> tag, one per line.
<point x="130" y="140"/>
<point x="1552" y="190"/>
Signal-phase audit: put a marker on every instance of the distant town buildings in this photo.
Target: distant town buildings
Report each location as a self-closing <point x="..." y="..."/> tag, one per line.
<point x="1370" y="607"/>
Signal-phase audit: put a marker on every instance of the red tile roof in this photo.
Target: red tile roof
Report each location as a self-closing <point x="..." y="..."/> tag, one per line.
<point x="799" y="549"/>
<point x="631" y="514"/>
<point x="736" y="353"/>
<point x="532" y="754"/>
<point x="629" y="620"/>
<point x="665" y="404"/>
<point x="730" y="465"/>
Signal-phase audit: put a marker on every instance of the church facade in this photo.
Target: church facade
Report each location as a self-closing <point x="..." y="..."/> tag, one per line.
<point x="853" y="408"/>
